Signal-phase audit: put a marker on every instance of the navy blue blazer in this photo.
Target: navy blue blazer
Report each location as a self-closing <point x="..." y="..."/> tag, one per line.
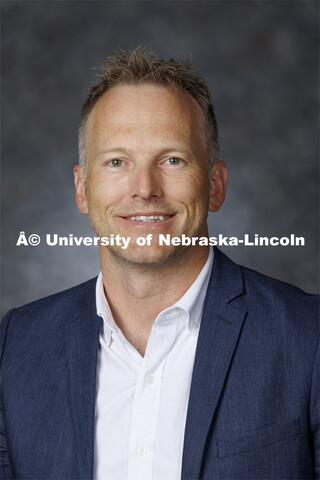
<point x="254" y="403"/>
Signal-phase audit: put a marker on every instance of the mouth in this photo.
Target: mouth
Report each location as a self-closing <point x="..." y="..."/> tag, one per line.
<point x="148" y="218"/>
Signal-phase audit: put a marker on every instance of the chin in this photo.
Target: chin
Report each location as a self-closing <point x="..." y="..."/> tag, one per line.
<point x="145" y="256"/>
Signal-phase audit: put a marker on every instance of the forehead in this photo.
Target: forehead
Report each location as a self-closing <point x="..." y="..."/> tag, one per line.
<point x="146" y="105"/>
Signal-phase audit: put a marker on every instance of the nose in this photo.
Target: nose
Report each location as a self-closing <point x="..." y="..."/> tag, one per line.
<point x="146" y="183"/>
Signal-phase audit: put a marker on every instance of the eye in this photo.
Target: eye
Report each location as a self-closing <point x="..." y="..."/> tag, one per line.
<point x="173" y="161"/>
<point x="115" y="163"/>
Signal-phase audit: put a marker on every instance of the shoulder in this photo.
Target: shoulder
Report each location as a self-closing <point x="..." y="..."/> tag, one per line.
<point x="281" y="316"/>
<point x="271" y="294"/>
<point x="260" y="290"/>
<point x="261" y="287"/>
<point x="48" y="313"/>
<point x="273" y="307"/>
<point x="56" y="301"/>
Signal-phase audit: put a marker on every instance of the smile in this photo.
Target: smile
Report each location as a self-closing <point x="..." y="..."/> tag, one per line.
<point x="149" y="218"/>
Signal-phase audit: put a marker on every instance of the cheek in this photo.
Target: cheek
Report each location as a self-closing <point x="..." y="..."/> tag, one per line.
<point x="104" y="192"/>
<point x="192" y="190"/>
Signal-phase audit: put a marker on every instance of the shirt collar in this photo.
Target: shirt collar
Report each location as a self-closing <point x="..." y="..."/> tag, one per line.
<point x="192" y="302"/>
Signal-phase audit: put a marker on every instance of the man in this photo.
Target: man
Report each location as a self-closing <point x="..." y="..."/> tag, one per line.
<point x="175" y="362"/>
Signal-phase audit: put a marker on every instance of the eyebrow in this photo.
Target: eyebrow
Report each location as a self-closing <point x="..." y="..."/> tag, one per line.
<point x="119" y="151"/>
<point x="114" y="151"/>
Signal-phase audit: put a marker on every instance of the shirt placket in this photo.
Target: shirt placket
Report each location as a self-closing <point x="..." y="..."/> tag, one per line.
<point x="147" y="398"/>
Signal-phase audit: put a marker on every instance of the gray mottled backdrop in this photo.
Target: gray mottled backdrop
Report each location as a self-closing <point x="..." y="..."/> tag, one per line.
<point x="260" y="59"/>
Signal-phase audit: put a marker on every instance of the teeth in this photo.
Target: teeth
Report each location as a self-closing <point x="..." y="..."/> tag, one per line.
<point x="150" y="218"/>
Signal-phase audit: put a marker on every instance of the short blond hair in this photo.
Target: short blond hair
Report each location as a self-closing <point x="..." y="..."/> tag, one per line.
<point x="142" y="66"/>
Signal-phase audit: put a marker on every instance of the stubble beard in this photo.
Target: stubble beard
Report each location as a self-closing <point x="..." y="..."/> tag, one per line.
<point x="157" y="257"/>
<point x="147" y="257"/>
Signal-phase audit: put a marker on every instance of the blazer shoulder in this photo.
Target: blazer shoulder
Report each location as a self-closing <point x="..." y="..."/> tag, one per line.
<point x="49" y="312"/>
<point x="260" y="284"/>
<point x="280" y="302"/>
<point x="254" y="289"/>
<point x="57" y="299"/>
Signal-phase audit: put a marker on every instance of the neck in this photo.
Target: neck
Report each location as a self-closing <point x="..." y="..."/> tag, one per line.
<point x="137" y="294"/>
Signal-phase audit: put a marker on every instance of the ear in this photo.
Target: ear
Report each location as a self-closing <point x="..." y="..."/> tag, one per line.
<point x="80" y="186"/>
<point x="219" y="176"/>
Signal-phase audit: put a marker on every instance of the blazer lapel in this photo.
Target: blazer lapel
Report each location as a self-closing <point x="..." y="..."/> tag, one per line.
<point x="220" y="329"/>
<point x="82" y="351"/>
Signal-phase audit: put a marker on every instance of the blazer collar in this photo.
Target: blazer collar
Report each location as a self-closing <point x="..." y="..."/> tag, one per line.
<point x="221" y="325"/>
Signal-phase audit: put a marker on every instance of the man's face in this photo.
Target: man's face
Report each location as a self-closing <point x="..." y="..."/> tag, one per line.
<point x="147" y="169"/>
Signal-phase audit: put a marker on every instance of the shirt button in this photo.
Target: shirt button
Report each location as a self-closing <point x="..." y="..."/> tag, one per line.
<point x="149" y="379"/>
<point x="194" y="325"/>
<point x="141" y="450"/>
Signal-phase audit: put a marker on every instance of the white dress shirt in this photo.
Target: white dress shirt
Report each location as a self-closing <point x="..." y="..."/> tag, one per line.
<point x="141" y="403"/>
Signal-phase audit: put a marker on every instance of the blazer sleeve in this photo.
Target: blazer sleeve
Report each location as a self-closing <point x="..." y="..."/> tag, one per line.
<point x="315" y="414"/>
<point x="5" y="468"/>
